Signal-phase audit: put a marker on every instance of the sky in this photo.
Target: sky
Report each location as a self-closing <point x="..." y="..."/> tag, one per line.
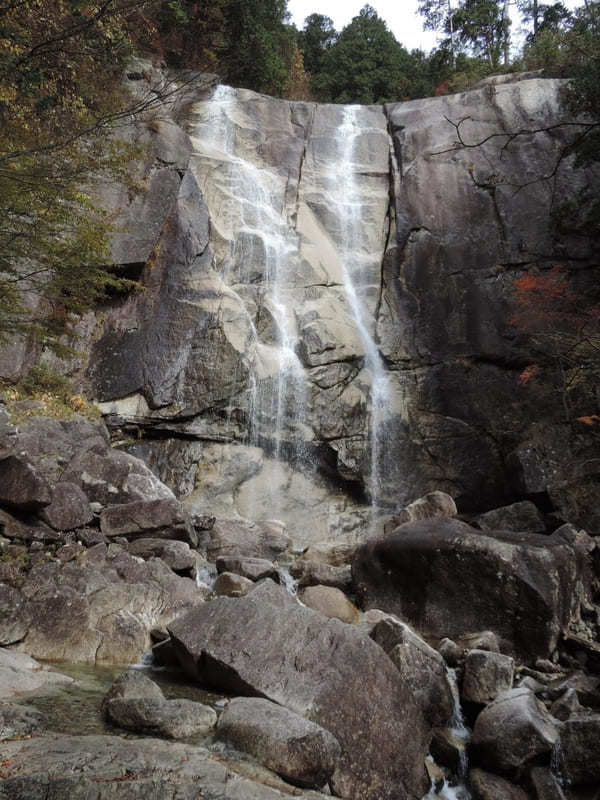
<point x="402" y="17"/>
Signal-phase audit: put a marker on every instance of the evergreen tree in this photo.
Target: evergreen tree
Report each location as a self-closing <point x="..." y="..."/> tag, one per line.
<point x="261" y="45"/>
<point x="365" y="65"/>
<point x="316" y="38"/>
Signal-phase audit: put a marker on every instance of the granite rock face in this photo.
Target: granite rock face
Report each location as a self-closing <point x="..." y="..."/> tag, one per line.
<point x="306" y="267"/>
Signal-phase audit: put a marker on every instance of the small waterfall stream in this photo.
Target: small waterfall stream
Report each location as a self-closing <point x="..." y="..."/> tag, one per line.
<point x="262" y="243"/>
<point x="259" y="256"/>
<point x="348" y="202"/>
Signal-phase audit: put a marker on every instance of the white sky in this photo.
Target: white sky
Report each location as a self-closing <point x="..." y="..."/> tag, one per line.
<point x="401" y="16"/>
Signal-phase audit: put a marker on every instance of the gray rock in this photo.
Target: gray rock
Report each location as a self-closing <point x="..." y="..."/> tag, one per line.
<point x="309" y="572"/>
<point x="228" y="584"/>
<point x="14" y="615"/>
<point x="580" y="749"/>
<point x="69" y="508"/>
<point x="155" y="519"/>
<point x="566" y="705"/>
<point x="446" y="578"/>
<point x="450" y="652"/>
<point x="482" y="640"/>
<point x="173" y="719"/>
<point x="136" y="703"/>
<point x="432" y="505"/>
<point x="493" y="787"/>
<point x="176" y="554"/>
<point x="112" y="477"/>
<point x="523" y="516"/>
<point x="300" y="751"/>
<point x="420" y="666"/>
<point x="513" y="731"/>
<point x="322" y="669"/>
<point x="19" y="674"/>
<point x="107" y="767"/>
<point x="21" y="486"/>
<point x="20" y="721"/>
<point x="486" y="675"/>
<point x="101" y="608"/>
<point x="132" y="684"/>
<point x="252" y="568"/>
<point x="330" y="602"/>
<point x="545" y="784"/>
<point x="236" y="537"/>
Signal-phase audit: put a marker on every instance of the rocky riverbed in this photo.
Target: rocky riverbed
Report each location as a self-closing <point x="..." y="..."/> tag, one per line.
<point x="440" y="656"/>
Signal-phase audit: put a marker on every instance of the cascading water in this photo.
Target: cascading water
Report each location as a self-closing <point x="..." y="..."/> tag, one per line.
<point x="455" y="790"/>
<point x="348" y="200"/>
<point x="250" y="216"/>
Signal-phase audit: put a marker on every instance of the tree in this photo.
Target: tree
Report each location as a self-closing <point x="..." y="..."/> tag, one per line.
<point x="481" y="27"/>
<point x="260" y="46"/>
<point x="316" y="38"/>
<point x="190" y="34"/>
<point x="365" y="65"/>
<point x="61" y="93"/>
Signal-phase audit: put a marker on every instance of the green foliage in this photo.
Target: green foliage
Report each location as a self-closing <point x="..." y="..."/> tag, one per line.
<point x="60" y="89"/>
<point x="477" y="27"/>
<point x="42" y="378"/>
<point x="317" y="37"/>
<point x="365" y="64"/>
<point x="260" y="47"/>
<point x="189" y="34"/>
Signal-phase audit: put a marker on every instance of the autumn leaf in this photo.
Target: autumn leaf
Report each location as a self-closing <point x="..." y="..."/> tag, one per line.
<point x="528" y="374"/>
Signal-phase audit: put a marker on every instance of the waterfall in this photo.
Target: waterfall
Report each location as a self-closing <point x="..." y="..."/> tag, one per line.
<point x="257" y="247"/>
<point x="348" y="200"/>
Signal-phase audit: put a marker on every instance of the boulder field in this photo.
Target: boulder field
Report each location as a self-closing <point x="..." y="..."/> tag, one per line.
<point x="473" y="646"/>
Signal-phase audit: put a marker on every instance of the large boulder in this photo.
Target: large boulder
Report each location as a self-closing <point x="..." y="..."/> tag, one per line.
<point x="136" y="703"/>
<point x="330" y="602"/>
<point x="447" y="579"/>
<point x="69" y="508"/>
<point x="513" y="732"/>
<point x="580" y="749"/>
<point x="19" y="673"/>
<point x="111" y="477"/>
<point x="299" y="750"/>
<point x="242" y="538"/>
<point x="420" y="665"/>
<point x="432" y="505"/>
<point x="100" y="608"/>
<point x="155" y="519"/>
<point x="109" y="767"/>
<point x="523" y="516"/>
<point x="322" y="669"/>
<point x="21" y="485"/>
<point x="486" y="675"/>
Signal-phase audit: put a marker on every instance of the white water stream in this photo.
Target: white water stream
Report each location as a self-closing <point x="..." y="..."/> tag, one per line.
<point x="251" y="217"/>
<point x="345" y="193"/>
<point x="258" y="251"/>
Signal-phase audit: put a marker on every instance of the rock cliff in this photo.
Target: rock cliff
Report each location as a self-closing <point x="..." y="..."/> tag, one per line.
<point x="326" y="310"/>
